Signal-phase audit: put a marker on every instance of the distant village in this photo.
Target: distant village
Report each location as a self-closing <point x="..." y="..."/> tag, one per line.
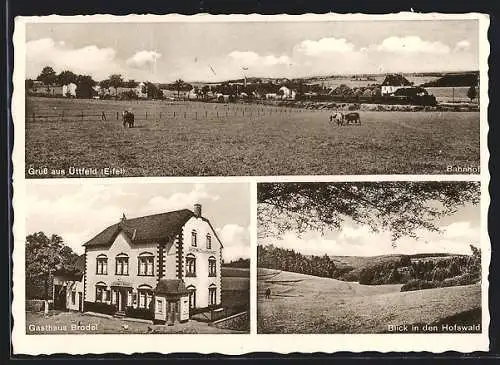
<point x="396" y="86"/>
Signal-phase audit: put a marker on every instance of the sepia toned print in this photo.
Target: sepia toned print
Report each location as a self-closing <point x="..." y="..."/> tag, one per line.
<point x="250" y="183"/>
<point x="252" y="98"/>
<point x="392" y="257"/>
<point x="170" y="272"/>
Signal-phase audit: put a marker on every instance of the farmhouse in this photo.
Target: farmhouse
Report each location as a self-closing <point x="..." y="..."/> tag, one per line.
<point x="394" y="82"/>
<point x="287" y="93"/>
<point x="162" y="267"/>
<point x="67" y="291"/>
<point x="69" y="90"/>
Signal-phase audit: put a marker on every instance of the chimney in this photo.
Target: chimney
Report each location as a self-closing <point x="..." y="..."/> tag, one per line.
<point x="197" y="210"/>
<point x="124" y="218"/>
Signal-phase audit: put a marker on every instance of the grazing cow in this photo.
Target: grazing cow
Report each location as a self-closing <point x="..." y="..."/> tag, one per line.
<point x="338" y="117"/>
<point x="268" y="293"/>
<point x="352" y="117"/>
<point x="128" y="119"/>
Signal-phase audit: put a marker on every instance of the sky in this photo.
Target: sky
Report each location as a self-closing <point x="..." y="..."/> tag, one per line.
<point x="77" y="212"/>
<point x="216" y="51"/>
<point x="457" y="232"/>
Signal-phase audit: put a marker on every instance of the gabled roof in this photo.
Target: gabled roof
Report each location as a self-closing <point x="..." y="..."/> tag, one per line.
<point x="171" y="287"/>
<point x="396" y="80"/>
<point x="157" y="227"/>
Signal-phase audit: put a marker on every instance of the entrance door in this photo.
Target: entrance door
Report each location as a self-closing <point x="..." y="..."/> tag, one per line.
<point x="172" y="311"/>
<point x="80" y="301"/>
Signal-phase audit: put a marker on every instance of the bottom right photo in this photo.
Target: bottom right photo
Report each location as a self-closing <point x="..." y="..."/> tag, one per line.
<point x="369" y="257"/>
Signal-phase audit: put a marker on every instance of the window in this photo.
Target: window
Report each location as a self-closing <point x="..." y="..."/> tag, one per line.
<point x="102" y="265"/>
<point x="100" y="290"/>
<point x="146" y="264"/>
<point x="159" y="306"/>
<point x="192" y="296"/>
<point x="73" y="298"/>
<point x="145" y="294"/>
<point x="190" y="265"/>
<point x="194" y="242"/>
<point x="121" y="265"/>
<point x="209" y="241"/>
<point x="212" y="268"/>
<point x="212" y="295"/>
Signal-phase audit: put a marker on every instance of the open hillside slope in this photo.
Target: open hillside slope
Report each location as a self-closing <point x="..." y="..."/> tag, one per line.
<point x="308" y="304"/>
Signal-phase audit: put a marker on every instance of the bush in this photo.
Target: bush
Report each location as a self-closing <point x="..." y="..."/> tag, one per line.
<point x="103" y="308"/>
<point x="417" y="284"/>
<point x="142" y="313"/>
<point x="465" y="279"/>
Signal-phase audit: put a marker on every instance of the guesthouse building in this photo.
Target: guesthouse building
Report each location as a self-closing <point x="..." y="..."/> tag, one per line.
<point x="162" y="267"/>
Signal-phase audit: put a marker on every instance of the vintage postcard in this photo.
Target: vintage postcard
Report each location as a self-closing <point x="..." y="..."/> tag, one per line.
<point x="250" y="183"/>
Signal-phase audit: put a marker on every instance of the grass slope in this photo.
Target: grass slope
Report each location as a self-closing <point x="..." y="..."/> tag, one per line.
<point x="308" y="304"/>
<point x="295" y="142"/>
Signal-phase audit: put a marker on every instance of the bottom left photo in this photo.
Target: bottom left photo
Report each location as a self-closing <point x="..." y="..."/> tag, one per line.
<point x="137" y="257"/>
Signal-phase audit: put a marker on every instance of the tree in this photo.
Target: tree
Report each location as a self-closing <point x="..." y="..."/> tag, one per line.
<point x="472" y="93"/>
<point x="179" y="85"/>
<point x="66" y="77"/>
<point x="85" y="86"/>
<point x="28" y="84"/>
<point x="44" y="256"/>
<point x="131" y="83"/>
<point x="47" y="76"/>
<point x="153" y="91"/>
<point x="399" y="207"/>
<point x="115" y="80"/>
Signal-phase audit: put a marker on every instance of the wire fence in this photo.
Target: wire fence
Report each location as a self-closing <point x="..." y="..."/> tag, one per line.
<point x="50" y="115"/>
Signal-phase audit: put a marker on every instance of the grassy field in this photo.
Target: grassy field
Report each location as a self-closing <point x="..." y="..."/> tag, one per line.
<point x="235" y="288"/>
<point x="450" y="94"/>
<point x="308" y="304"/>
<point x="242" y="140"/>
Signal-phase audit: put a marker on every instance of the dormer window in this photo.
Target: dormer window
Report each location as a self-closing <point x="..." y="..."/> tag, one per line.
<point x="194" y="242"/>
<point x="209" y="241"/>
<point x="121" y="264"/>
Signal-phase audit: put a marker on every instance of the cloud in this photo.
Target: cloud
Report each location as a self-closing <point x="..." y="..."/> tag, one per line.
<point x="247" y="58"/>
<point x="463" y="45"/>
<point x="324" y="46"/>
<point x="158" y="204"/>
<point x="235" y="240"/>
<point x="143" y="58"/>
<point x="98" y="62"/>
<point x="411" y="44"/>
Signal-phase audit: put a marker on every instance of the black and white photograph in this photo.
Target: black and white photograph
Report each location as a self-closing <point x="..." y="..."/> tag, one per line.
<point x="252" y="98"/>
<point x="137" y="258"/>
<point x="369" y="257"/>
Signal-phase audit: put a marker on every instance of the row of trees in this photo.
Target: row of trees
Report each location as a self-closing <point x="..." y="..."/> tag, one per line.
<point x="434" y="270"/>
<point x="272" y="257"/>
<point x="84" y="83"/>
<point x="44" y="256"/>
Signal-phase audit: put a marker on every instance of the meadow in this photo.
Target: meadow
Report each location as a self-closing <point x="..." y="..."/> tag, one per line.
<point x="308" y="304"/>
<point x="203" y="139"/>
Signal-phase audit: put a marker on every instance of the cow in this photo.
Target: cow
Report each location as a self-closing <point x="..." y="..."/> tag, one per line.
<point x="352" y="117"/>
<point x="338" y="117"/>
<point x="128" y="119"/>
<point x="268" y="293"/>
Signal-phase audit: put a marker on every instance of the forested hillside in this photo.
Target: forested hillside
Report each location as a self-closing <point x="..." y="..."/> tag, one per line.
<point x="415" y="271"/>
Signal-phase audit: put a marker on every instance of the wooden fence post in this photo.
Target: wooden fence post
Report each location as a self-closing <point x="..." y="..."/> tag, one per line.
<point x="174" y="113"/>
<point x="160" y="115"/>
<point x="206" y="113"/>
<point x="62" y="116"/>
<point x="146" y="115"/>
<point x="82" y="115"/>
<point x="34" y="118"/>
<point x="116" y="115"/>
<point x="195" y="115"/>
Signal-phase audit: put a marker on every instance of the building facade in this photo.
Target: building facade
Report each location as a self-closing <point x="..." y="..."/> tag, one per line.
<point x="163" y="267"/>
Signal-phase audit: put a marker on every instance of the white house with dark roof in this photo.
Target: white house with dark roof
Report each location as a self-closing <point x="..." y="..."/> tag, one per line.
<point x="394" y="82"/>
<point x="161" y="267"/>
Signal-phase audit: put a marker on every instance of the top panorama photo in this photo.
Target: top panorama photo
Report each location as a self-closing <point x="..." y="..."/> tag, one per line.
<point x="252" y="98"/>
